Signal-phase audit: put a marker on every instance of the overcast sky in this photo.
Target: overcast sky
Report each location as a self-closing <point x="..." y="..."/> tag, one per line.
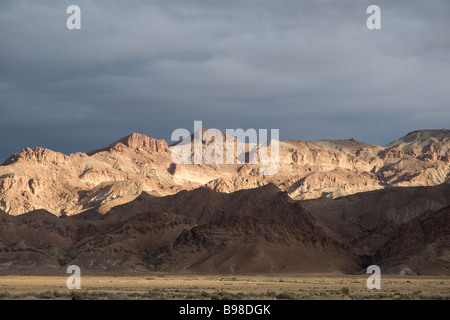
<point x="311" y="69"/>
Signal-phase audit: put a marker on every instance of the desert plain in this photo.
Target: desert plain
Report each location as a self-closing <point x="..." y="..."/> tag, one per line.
<point x="162" y="286"/>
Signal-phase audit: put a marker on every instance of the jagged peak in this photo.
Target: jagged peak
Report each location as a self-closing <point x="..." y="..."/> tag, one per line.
<point x="37" y="154"/>
<point x="138" y="140"/>
<point x="427" y="133"/>
<point x="135" y="141"/>
<point x="420" y="136"/>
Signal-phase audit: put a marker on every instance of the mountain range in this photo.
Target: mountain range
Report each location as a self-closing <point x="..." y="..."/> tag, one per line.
<point x="333" y="206"/>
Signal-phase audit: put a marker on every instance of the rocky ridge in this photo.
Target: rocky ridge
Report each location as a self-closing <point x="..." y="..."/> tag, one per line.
<point x="39" y="178"/>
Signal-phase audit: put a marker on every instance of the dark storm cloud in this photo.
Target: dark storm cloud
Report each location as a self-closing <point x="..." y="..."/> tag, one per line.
<point x="310" y="68"/>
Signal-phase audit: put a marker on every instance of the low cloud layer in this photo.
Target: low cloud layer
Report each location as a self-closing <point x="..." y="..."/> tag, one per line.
<point x="309" y="68"/>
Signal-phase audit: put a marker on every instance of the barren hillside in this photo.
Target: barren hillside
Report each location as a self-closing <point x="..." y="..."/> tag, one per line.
<point x="69" y="184"/>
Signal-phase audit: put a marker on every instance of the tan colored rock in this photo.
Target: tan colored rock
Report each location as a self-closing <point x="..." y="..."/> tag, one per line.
<point x="67" y="184"/>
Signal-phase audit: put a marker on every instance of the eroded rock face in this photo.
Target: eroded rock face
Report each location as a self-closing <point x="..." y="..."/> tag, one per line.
<point x="258" y="230"/>
<point x="68" y="184"/>
<point x="261" y="230"/>
<point x="420" y="246"/>
<point x="403" y="230"/>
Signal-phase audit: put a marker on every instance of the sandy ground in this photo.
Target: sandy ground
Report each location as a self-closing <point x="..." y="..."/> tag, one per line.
<point x="164" y="286"/>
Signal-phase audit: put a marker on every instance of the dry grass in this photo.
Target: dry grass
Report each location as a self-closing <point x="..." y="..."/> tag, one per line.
<point x="164" y="286"/>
